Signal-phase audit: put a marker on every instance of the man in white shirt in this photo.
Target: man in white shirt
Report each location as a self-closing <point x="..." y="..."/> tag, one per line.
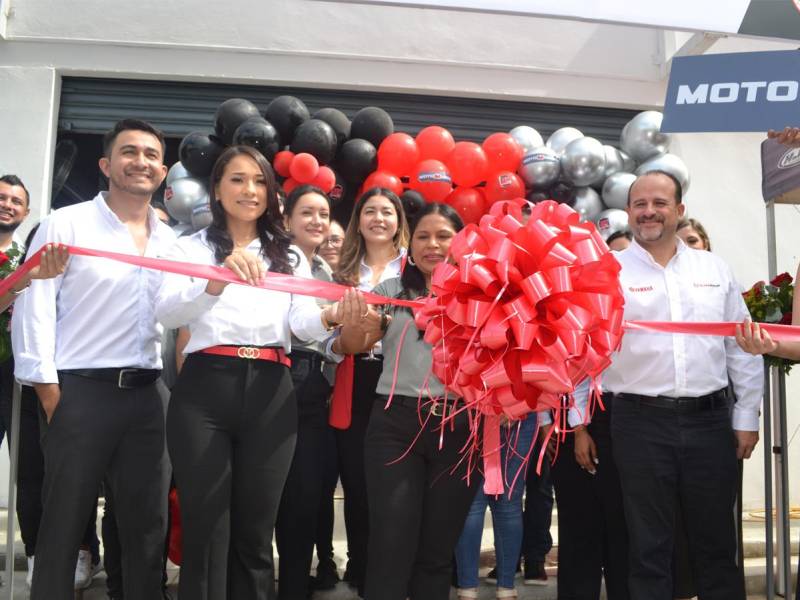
<point x="89" y="343"/>
<point x="675" y="437"/>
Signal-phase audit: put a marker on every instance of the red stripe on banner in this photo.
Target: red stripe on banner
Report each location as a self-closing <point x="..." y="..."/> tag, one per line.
<point x="333" y="291"/>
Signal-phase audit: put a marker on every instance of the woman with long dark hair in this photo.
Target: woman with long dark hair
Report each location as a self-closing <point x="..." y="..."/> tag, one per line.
<point x="417" y="503"/>
<point x="306" y="213"/>
<point x="232" y="418"/>
<point x="373" y="251"/>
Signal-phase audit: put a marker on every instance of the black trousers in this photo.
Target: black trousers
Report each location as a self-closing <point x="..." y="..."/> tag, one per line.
<point x="296" y="526"/>
<point x="592" y="534"/>
<point x="350" y="444"/>
<point x="417" y="505"/>
<point x="97" y="431"/>
<point x="666" y="460"/>
<point x="325" y="516"/>
<point x="231" y="429"/>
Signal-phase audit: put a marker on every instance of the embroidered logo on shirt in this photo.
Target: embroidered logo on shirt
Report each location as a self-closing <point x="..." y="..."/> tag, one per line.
<point x="706" y="285"/>
<point x="646" y="288"/>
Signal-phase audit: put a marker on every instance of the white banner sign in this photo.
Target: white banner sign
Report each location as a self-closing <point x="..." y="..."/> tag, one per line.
<point x="767" y="18"/>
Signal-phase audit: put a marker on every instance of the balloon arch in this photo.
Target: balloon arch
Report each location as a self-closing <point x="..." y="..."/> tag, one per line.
<point x="345" y="157"/>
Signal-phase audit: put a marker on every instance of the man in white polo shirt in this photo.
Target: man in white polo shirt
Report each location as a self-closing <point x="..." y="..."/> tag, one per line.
<point x="89" y="343"/>
<point x="676" y="437"/>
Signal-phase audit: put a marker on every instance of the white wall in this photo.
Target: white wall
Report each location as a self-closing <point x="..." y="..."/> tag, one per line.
<point x="353" y="46"/>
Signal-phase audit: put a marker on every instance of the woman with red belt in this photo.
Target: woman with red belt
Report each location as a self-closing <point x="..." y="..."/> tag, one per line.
<point x="232" y="419"/>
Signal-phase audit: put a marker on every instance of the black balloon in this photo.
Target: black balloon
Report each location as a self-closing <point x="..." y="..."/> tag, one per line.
<point x="372" y="124"/>
<point x="198" y="152"/>
<point x="537" y="197"/>
<point x="337" y="120"/>
<point x="357" y="159"/>
<point x="230" y="114"/>
<point x="563" y="193"/>
<point x="317" y="138"/>
<point x="286" y="113"/>
<point x="260" y="134"/>
<point x="413" y="202"/>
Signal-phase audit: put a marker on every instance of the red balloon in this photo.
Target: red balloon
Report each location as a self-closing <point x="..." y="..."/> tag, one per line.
<point x="325" y="179"/>
<point x="468" y="164"/>
<point x="504" y="185"/>
<point x="431" y="179"/>
<point x="384" y="179"/>
<point x="503" y="151"/>
<point x="289" y="185"/>
<point x="304" y="167"/>
<point x="435" y="142"/>
<point x="282" y="161"/>
<point x="469" y="203"/>
<point x="398" y="154"/>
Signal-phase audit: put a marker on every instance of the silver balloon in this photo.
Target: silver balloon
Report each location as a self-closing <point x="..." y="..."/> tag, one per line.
<point x="614" y="161"/>
<point x="615" y="190"/>
<point x="641" y="138"/>
<point x="628" y="164"/>
<point x="587" y="203"/>
<point x="181" y="196"/>
<point x="583" y="161"/>
<point x="669" y="163"/>
<point x="540" y="168"/>
<point x="177" y="171"/>
<point x="611" y="221"/>
<point x="561" y="137"/>
<point x="201" y="214"/>
<point x="527" y="137"/>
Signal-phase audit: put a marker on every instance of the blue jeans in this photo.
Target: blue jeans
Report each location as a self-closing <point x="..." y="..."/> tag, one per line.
<point x="506" y="514"/>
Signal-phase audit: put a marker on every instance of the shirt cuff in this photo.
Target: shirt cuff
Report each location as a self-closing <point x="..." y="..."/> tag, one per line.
<point x="577" y="417"/>
<point x="544" y="417"/>
<point x="745" y="419"/>
<point x="29" y="374"/>
<point x="330" y="355"/>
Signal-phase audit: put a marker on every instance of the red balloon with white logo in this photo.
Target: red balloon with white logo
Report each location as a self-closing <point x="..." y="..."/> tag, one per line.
<point x="431" y="179"/>
<point x="504" y="185"/>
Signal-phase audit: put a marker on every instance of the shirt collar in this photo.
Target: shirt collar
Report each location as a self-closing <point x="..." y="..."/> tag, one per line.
<point x="643" y="255"/>
<point x="101" y="201"/>
<point x="395" y="261"/>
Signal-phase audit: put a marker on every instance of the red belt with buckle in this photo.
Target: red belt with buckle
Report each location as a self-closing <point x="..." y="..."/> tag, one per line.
<point x="277" y="355"/>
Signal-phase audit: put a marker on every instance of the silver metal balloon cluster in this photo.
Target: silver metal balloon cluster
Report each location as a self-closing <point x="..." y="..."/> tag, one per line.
<point x="594" y="178"/>
<point x="187" y="201"/>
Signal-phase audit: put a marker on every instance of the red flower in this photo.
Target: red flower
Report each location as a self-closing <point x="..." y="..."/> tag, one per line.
<point x="786" y="319"/>
<point x="3" y="258"/>
<point x="779" y="280"/>
<point x="758" y="289"/>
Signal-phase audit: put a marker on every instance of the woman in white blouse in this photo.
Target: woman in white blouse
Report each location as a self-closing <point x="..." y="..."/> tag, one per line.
<point x="232" y="419"/>
<point x="374" y="251"/>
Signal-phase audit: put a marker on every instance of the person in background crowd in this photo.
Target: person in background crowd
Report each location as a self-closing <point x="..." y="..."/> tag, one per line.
<point x="750" y="337"/>
<point x="327" y="575"/>
<point x="536" y="539"/>
<point x="373" y="251"/>
<point x="96" y="371"/>
<point x="693" y="234"/>
<point x="619" y="240"/>
<point x="672" y="423"/>
<point x="418" y="497"/>
<point x="517" y="437"/>
<point x="162" y="214"/>
<point x="232" y="418"/>
<point x="307" y="217"/>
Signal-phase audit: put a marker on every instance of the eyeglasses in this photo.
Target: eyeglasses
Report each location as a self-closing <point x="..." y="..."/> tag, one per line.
<point x="334" y="241"/>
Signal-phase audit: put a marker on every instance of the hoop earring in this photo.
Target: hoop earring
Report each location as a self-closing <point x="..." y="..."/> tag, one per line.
<point x="411" y="262"/>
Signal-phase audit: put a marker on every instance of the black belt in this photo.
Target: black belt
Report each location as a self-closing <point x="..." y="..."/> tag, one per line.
<point x="315" y="360"/>
<point x="124" y="378"/>
<point x="436" y="408"/>
<point x="684" y="404"/>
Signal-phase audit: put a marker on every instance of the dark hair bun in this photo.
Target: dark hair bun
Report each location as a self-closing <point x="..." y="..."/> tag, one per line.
<point x="413" y="202"/>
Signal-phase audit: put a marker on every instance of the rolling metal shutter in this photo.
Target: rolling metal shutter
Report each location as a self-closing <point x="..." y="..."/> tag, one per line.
<point x="92" y="106"/>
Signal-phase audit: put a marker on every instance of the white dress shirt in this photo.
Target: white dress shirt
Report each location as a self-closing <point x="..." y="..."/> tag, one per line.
<point x="99" y="313"/>
<point x="242" y="315"/>
<point x="696" y="285"/>
<point x="392" y="269"/>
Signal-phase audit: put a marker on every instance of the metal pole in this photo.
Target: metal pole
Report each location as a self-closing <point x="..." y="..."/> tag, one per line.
<point x="11" y="529"/>
<point x="768" y="539"/>
<point x="780" y="397"/>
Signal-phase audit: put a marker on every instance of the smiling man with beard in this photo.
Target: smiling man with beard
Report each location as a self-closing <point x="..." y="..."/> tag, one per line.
<point x="675" y="436"/>
<point x="89" y="343"/>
